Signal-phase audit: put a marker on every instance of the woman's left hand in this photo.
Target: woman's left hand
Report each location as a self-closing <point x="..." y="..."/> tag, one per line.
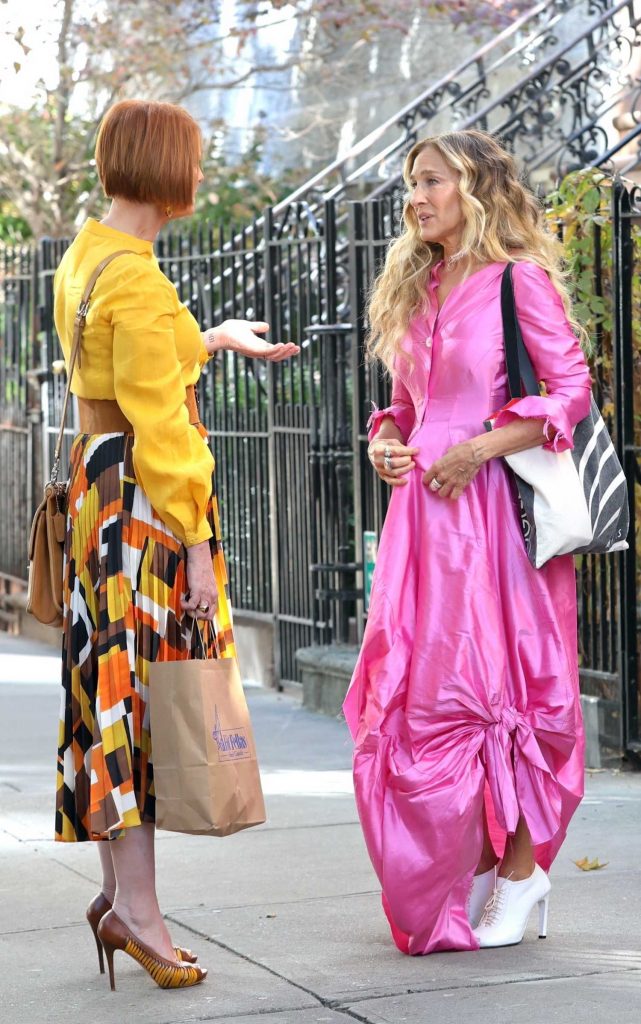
<point x="455" y="470"/>
<point x="242" y="336"/>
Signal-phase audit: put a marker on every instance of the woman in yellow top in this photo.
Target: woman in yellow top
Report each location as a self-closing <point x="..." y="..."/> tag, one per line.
<point x="143" y="551"/>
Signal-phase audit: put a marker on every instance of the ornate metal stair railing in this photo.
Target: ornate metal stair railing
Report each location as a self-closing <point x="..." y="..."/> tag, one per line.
<point x="568" y="113"/>
<point x="554" y="115"/>
<point x="467" y="83"/>
<point x="621" y="158"/>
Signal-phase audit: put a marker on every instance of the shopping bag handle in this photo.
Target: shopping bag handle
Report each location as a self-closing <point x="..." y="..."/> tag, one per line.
<point x="196" y="622"/>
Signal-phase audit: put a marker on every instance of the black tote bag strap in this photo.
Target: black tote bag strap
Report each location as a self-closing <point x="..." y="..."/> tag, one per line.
<point x="520" y="372"/>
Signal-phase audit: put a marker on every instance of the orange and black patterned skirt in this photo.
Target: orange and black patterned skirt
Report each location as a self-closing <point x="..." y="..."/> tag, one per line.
<point x="125" y="573"/>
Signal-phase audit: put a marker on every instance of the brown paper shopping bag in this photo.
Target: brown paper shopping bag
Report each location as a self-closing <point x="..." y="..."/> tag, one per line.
<point x="206" y="775"/>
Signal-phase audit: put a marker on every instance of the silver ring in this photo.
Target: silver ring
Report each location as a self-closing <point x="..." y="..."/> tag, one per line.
<point x="435" y="485"/>
<point x="204" y="607"/>
<point x="387" y="462"/>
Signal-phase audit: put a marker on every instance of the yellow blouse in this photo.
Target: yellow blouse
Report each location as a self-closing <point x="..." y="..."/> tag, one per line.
<point x="142" y="347"/>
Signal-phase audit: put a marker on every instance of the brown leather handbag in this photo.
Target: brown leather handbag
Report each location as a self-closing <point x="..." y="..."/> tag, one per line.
<point x="46" y="541"/>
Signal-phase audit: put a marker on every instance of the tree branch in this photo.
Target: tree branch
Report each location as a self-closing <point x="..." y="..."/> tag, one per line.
<point x="64" y="87"/>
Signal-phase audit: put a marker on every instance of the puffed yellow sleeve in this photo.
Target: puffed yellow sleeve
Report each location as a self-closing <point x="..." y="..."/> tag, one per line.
<point x="172" y="461"/>
<point x="203" y="355"/>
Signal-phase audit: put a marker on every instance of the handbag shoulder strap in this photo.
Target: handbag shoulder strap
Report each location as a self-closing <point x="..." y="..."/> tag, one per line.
<point x="79" y="322"/>
<point x="520" y="372"/>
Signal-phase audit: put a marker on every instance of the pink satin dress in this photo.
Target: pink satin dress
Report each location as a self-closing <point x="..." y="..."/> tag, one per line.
<point x="466" y="688"/>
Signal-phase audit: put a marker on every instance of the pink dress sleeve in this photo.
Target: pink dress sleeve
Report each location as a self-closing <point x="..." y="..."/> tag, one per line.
<point x="401" y="410"/>
<point x="557" y="359"/>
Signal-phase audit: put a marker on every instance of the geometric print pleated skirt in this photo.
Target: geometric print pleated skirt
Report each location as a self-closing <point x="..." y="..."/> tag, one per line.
<point x="124" y="576"/>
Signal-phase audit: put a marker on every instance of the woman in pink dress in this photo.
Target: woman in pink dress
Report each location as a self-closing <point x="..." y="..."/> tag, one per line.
<point x="464" y="705"/>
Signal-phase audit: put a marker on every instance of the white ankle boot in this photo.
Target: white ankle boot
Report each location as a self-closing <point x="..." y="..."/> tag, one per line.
<point x="482" y="888"/>
<point x="506" y="913"/>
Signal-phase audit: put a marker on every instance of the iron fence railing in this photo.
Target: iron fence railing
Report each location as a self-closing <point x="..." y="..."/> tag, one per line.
<point x="557" y="114"/>
<point x="626" y="210"/>
<point x="548" y="85"/>
<point x="18" y="324"/>
<point x="295" y="486"/>
<point x="279" y="431"/>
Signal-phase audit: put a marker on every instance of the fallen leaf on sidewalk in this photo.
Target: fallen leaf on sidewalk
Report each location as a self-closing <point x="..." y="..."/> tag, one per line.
<point x="590" y="865"/>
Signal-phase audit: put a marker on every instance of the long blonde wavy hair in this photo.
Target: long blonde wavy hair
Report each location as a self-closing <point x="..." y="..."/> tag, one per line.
<point x="502" y="221"/>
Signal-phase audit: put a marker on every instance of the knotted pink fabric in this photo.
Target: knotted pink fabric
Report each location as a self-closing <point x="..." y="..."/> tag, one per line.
<point x="466" y="688"/>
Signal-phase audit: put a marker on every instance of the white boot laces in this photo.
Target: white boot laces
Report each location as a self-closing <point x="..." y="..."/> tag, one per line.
<point x="494" y="906"/>
<point x="468" y="901"/>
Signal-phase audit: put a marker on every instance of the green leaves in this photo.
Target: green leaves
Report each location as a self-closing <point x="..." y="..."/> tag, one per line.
<point x="580" y="208"/>
<point x="592" y="200"/>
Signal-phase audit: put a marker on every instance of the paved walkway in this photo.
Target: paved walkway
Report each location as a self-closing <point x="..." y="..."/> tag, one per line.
<point x="287" y="917"/>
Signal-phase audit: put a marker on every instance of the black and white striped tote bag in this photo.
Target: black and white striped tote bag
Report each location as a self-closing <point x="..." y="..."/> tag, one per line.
<point x="574" y="501"/>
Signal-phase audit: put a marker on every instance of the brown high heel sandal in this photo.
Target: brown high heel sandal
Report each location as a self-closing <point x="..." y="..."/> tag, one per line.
<point x="97" y="909"/>
<point x="114" y="934"/>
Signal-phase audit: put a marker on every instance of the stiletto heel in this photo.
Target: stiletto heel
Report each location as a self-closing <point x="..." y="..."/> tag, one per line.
<point x="114" y="934"/>
<point x="109" y="950"/>
<point x="95" y="912"/>
<point x="101" y="960"/>
<point x="97" y="909"/>
<point x="543" y="916"/>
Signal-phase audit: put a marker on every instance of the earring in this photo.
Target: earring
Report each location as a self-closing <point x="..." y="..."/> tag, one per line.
<point x="168" y="211"/>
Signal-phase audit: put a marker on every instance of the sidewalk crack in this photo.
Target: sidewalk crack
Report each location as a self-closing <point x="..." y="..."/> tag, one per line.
<point x="339" y="1005"/>
<point x="248" y="959"/>
<point x="74" y="871"/>
<point x="364" y="998"/>
<point x="326" y="1004"/>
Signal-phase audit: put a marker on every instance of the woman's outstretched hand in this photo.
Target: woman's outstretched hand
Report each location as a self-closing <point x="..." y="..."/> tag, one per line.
<point x="449" y="476"/>
<point x="399" y="463"/>
<point x="242" y="336"/>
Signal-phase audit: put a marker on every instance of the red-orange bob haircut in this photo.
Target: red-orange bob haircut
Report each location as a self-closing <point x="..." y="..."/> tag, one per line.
<point x="148" y="152"/>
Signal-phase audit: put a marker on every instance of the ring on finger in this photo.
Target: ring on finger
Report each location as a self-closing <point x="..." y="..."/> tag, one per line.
<point x="387" y="460"/>
<point x="435" y="485"/>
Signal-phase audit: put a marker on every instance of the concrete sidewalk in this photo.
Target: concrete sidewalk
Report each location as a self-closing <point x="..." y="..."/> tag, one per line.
<point x="287" y="917"/>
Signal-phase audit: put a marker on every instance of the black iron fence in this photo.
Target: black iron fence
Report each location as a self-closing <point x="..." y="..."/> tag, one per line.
<point x="626" y="213"/>
<point x="280" y="433"/>
<point x="549" y="85"/>
<point x="295" y="486"/>
<point x="18" y="275"/>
